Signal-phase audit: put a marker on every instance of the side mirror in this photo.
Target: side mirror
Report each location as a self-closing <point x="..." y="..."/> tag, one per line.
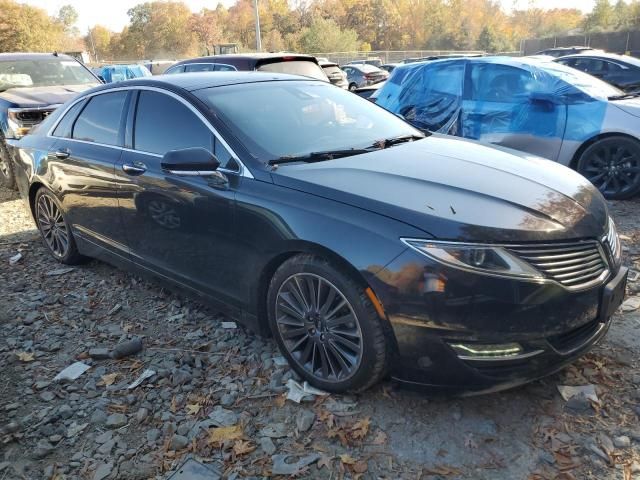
<point x="190" y="161"/>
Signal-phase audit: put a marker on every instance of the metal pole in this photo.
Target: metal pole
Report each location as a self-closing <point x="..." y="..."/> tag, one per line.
<point x="258" y="40"/>
<point x="93" y="45"/>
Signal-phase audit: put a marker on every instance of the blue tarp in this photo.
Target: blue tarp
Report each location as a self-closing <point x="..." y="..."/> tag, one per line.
<point x="118" y="73"/>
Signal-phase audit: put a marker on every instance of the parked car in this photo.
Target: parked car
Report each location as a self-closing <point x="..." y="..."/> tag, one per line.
<point x="389" y="66"/>
<point x="335" y="74"/>
<point x="375" y="61"/>
<point x="158" y="67"/>
<point x="32" y="85"/>
<point x="370" y="91"/>
<point x="562" y="51"/>
<point x="118" y="73"/>
<point x="440" y="57"/>
<point x="293" y="63"/>
<point x="302" y="210"/>
<point x="542" y="108"/>
<point x="361" y="75"/>
<point x="621" y="71"/>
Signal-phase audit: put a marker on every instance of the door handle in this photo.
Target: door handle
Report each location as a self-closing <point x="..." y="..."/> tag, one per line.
<point x="136" y="168"/>
<point x="61" y="154"/>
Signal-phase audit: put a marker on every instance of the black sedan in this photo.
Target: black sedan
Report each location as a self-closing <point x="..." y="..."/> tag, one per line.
<point x="621" y="71"/>
<point x="306" y="212"/>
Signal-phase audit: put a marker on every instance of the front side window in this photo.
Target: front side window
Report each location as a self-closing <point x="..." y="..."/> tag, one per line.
<point x="43" y="73"/>
<point x="500" y="83"/>
<point x="163" y="123"/>
<point x="280" y="119"/>
<point x="100" y="120"/>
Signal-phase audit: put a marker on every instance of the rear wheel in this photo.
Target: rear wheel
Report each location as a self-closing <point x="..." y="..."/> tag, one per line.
<point x="613" y="166"/>
<point x="6" y="166"/>
<point x="54" y="229"/>
<point x="326" y="325"/>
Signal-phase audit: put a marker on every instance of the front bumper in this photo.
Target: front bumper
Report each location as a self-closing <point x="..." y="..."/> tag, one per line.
<point x="430" y="307"/>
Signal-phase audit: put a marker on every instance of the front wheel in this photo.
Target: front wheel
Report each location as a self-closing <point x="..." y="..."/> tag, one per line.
<point x="326" y="326"/>
<point x="613" y="166"/>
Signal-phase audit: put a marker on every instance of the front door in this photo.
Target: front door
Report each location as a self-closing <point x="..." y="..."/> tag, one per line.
<point x="512" y="107"/>
<point x="181" y="227"/>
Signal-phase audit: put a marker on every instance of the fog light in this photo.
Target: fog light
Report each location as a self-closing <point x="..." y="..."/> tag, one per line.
<point x="467" y="351"/>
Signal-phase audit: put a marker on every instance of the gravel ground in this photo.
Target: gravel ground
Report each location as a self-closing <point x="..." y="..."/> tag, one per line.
<point x="218" y="394"/>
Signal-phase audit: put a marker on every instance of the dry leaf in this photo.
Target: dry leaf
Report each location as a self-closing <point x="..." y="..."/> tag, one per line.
<point x="221" y="434"/>
<point x="380" y="438"/>
<point x="108" y="379"/>
<point x="242" y="448"/>
<point x="173" y="408"/>
<point x="193" y="408"/>
<point x="360" y="428"/>
<point x="280" y="400"/>
<point x="360" y="467"/>
<point x="26" y="357"/>
<point x="347" y="459"/>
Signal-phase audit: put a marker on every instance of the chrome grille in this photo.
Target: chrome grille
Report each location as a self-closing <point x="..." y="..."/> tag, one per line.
<point x="613" y="240"/>
<point x="575" y="265"/>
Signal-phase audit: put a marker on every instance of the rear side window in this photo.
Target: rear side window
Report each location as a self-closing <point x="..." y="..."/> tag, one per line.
<point x="100" y="120"/>
<point x="199" y="67"/>
<point x="224" y="68"/>
<point x="172" y="70"/>
<point x="295" y="67"/>
<point x="66" y="124"/>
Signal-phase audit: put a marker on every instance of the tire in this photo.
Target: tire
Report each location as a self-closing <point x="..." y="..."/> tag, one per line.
<point x="7" y="178"/>
<point x="320" y="347"/>
<point x="353" y="87"/>
<point x="54" y="228"/>
<point x="612" y="164"/>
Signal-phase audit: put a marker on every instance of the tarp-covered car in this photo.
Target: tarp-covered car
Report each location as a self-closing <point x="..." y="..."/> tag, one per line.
<point x="539" y="107"/>
<point x="118" y="73"/>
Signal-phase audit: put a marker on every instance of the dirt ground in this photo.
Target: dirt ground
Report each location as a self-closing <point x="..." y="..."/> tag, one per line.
<point x="218" y="392"/>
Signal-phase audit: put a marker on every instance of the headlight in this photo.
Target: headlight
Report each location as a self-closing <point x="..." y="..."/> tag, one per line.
<point x="486" y="259"/>
<point x="22" y="120"/>
<point x="17" y="129"/>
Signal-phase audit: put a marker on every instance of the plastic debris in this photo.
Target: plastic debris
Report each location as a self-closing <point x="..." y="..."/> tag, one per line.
<point x="127" y="348"/>
<point x="229" y="325"/>
<point x="59" y="271"/>
<point x="589" y="391"/>
<point x="630" y="304"/>
<point x="15" y="259"/>
<point x="297" y="392"/>
<point x="72" y="372"/>
<point x="143" y="376"/>
<point x="282" y="467"/>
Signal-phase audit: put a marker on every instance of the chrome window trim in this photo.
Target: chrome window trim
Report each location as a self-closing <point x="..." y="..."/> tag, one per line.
<point x="243" y="171"/>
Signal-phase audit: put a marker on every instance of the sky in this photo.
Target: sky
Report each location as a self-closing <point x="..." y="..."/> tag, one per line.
<point x="113" y="13"/>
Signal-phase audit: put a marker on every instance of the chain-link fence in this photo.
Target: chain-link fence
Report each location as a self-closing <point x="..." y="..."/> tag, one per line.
<point x="616" y="42"/>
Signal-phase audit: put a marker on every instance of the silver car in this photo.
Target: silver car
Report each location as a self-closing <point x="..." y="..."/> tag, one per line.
<point x="539" y="107"/>
<point x="362" y="74"/>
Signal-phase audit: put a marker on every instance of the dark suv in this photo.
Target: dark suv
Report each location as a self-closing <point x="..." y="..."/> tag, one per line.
<point x="32" y="85"/>
<point x="292" y="63"/>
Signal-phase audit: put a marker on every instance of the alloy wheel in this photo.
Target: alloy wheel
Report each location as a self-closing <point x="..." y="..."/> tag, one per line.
<point x="52" y="225"/>
<point x="163" y="214"/>
<point x="614" y="168"/>
<point x="318" y="327"/>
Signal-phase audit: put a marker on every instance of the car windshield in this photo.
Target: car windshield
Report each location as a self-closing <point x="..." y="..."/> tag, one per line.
<point x="292" y="119"/>
<point x="592" y="86"/>
<point x="295" y="67"/>
<point x="43" y="73"/>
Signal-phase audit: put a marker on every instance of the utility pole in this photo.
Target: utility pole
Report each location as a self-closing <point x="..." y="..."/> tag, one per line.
<point x="258" y="40"/>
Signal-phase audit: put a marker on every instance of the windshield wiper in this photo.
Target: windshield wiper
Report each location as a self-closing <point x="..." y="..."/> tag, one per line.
<point x="389" y="142"/>
<point x="318" y="156"/>
<point x="625" y="96"/>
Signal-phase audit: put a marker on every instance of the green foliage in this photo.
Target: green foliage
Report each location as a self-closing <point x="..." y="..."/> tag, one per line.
<point x="324" y="35"/>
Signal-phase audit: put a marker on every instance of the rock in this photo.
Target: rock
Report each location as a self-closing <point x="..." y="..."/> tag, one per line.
<point x="622" y="442"/>
<point x="228" y="399"/>
<point x="304" y="420"/>
<point x="579" y="403"/>
<point x="606" y="443"/>
<point x="595" y="449"/>
<point x="267" y="445"/>
<point x="635" y="467"/>
<point x="47" y="396"/>
<point x="126" y="349"/>
<point x="99" y="353"/>
<point x="43" y="449"/>
<point x="178" y="442"/>
<point x="105" y="448"/>
<point x="103" y="471"/>
<point x="153" y="435"/>
<point x="275" y="430"/>
<point x="42" y="384"/>
<point x="65" y="412"/>
<point x="180" y="377"/>
<point x="631" y="304"/>
<point x="116" y="420"/>
<point x="141" y="414"/>
<point x="104" y="437"/>
<point x="99" y="417"/>
<point x="222" y="417"/>
<point x="281" y="465"/>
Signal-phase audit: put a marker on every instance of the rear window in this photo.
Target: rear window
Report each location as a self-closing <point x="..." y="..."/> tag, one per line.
<point x="366" y="68"/>
<point x="295" y="67"/>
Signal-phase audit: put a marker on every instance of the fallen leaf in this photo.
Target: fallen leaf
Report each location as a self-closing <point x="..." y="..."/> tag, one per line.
<point x="173" y="408"/>
<point x="380" y="438"/>
<point x="360" y="428"/>
<point x="221" y="434"/>
<point x="280" y="400"/>
<point x="108" y="379"/>
<point x="347" y="459"/>
<point x="360" y="467"/>
<point x="26" y="357"/>
<point x="242" y="448"/>
<point x="193" y="408"/>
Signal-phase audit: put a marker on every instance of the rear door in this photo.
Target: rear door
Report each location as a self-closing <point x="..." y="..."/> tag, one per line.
<point x="181" y="227"/>
<point x="88" y="145"/>
<point x="509" y="106"/>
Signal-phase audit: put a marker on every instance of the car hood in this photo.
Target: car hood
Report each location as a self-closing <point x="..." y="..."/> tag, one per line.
<point x="460" y="190"/>
<point x="630" y="106"/>
<point x="43" y="96"/>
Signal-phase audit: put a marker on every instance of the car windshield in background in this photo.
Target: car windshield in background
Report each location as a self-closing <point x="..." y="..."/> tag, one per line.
<point x="43" y="73"/>
<point x="295" y="67"/>
<point x="293" y="119"/>
<point x="590" y="85"/>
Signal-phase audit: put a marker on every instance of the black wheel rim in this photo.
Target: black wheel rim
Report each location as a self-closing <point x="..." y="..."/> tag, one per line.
<point x="163" y="214"/>
<point x="319" y="327"/>
<point x="52" y="226"/>
<point x="614" y="168"/>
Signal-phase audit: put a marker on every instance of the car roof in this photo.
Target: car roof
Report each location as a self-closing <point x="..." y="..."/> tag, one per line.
<point x="199" y="80"/>
<point x="604" y="55"/>
<point x="33" y="56"/>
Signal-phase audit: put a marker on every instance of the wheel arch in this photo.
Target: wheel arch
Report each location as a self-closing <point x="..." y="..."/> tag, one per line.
<point x="586" y="144"/>
<point x="33" y="190"/>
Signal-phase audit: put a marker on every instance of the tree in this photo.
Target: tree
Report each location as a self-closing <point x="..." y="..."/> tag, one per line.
<point x="601" y="17"/>
<point x="324" y="35"/>
<point x="98" y="42"/>
<point x="207" y="27"/>
<point x="24" y="28"/>
<point x="68" y="17"/>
